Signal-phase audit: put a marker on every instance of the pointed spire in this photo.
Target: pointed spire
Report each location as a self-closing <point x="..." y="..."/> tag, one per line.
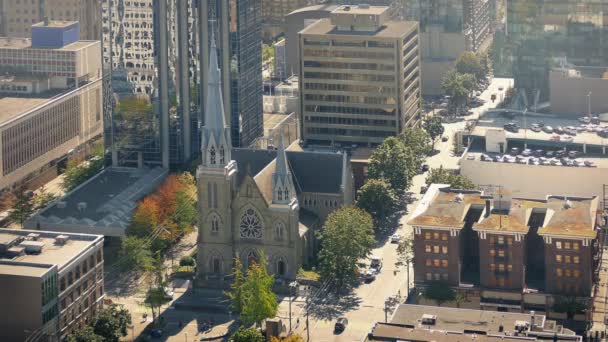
<point x="281" y="168"/>
<point x="214" y="108"/>
<point x="283" y="190"/>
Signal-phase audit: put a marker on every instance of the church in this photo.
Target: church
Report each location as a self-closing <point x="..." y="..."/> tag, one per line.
<point x="251" y="200"/>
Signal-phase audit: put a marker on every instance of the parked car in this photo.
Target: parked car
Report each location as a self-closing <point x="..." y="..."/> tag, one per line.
<point x="595" y="120"/>
<point x="534" y="128"/>
<point x="341" y="324"/>
<point x="550" y="154"/>
<point x="395" y="238"/>
<point x="156" y="333"/>
<point x="573" y="154"/>
<point x="425" y="167"/>
<point x="548" y="129"/>
<point x="585" y="119"/>
<point x="539" y="124"/>
<point x="369" y="276"/>
<point x="514" y="151"/>
<point x="376" y="263"/>
<point x="527" y="152"/>
<point x="539" y="153"/>
<point x="559" y="130"/>
<point x="444" y="138"/>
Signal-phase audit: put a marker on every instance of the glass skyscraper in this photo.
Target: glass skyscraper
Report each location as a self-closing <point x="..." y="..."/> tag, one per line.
<point x="543" y="34"/>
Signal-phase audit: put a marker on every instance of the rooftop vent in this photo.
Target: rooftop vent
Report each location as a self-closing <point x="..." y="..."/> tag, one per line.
<point x="459" y="198"/>
<point x="32" y="247"/>
<point x="521" y="326"/>
<point x="567" y="204"/>
<point x="15" y="251"/>
<point x="61" y="239"/>
<point x="429" y="319"/>
<point x="33" y="236"/>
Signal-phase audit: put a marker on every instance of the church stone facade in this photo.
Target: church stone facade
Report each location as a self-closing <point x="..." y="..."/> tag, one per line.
<point x="251" y="201"/>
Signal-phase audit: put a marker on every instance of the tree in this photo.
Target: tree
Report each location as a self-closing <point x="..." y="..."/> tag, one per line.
<point x="470" y="63"/>
<point x="440" y="292"/>
<point x="85" y="334"/>
<point x="236" y="293"/>
<point x="42" y="198"/>
<point x="434" y="127"/>
<point x="155" y="298"/>
<point x="76" y="174"/>
<point x="111" y="323"/>
<point x="569" y="305"/>
<point x="443" y="176"/>
<point x="247" y="335"/>
<point x="419" y="142"/>
<point x="185" y="212"/>
<point x="145" y="218"/>
<point x="458" y="86"/>
<point x="405" y="250"/>
<point x="393" y="162"/>
<point x="460" y="298"/>
<point x="290" y="338"/>
<point x="187" y="261"/>
<point x="259" y="302"/>
<point x="23" y="205"/>
<point x="135" y="254"/>
<point x="377" y="198"/>
<point x="346" y="237"/>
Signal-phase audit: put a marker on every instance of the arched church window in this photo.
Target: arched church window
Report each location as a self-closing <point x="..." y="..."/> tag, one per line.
<point x="251" y="225"/>
<point x="279" y="231"/>
<point x="212" y="155"/>
<point x="222" y="155"/>
<point x="280" y="194"/>
<point x="215" y="224"/>
<point x="216" y="265"/>
<point x="286" y="193"/>
<point x="281" y="268"/>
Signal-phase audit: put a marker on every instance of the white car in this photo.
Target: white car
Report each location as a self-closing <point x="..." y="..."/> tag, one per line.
<point x="395" y="238"/>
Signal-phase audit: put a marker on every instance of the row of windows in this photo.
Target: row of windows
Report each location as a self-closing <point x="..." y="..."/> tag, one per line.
<point x="389" y="100"/>
<point x="350" y="121"/>
<point x="312" y="202"/>
<point x="348" y="54"/>
<point x="350" y="88"/>
<point x="436" y="263"/>
<point x="348" y="76"/>
<point x="81" y="269"/>
<point x="349" y="66"/>
<point x="500" y="240"/>
<point x="49" y="289"/>
<point x="348" y="110"/>
<point x="436" y="249"/>
<point x="501" y="253"/>
<point x="350" y="43"/>
<point x="349" y="132"/>
<point x="436" y="276"/>
<point x="44" y="131"/>
<point x="567" y="272"/>
<point x="567" y="259"/>
<point x="435" y="236"/>
<point x="501" y="267"/>
<point x="567" y="245"/>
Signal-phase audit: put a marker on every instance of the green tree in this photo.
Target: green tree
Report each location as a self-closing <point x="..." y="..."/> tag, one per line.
<point x="470" y="63"/>
<point x="23" y="205"/>
<point x="135" y="254"/>
<point x="393" y="162"/>
<point x="236" y="293"/>
<point x="112" y="323"/>
<point x="76" y="174"/>
<point x="42" y="198"/>
<point x="443" y="176"/>
<point x="155" y="298"/>
<point x="419" y="142"/>
<point x="185" y="212"/>
<point x="460" y="298"/>
<point x="377" y="198"/>
<point x="458" y="86"/>
<point x="247" y="335"/>
<point x="440" y="292"/>
<point x="267" y="52"/>
<point x="346" y="237"/>
<point x="187" y="261"/>
<point x="259" y="302"/>
<point x="434" y="127"/>
<point x="85" y="334"/>
<point x="569" y="305"/>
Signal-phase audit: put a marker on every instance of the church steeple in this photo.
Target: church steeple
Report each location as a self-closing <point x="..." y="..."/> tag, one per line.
<point x="215" y="142"/>
<point x="283" y="190"/>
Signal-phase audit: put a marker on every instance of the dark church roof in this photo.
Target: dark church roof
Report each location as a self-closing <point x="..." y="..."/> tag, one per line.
<point x="319" y="172"/>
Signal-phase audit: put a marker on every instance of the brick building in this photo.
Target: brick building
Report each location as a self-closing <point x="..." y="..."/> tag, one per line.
<point x="518" y="253"/>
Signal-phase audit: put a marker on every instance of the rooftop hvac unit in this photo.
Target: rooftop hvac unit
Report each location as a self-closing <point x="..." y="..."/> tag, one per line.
<point x="429" y="319"/>
<point x="61" y="239"/>
<point x="32" y="246"/>
<point x="33" y="236"/>
<point x="15" y="251"/>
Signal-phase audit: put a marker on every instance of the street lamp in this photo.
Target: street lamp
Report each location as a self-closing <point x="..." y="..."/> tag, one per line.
<point x="589" y="104"/>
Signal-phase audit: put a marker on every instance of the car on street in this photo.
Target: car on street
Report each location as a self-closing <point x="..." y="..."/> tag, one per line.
<point x="369" y="276"/>
<point x="376" y="263"/>
<point x="548" y="129"/>
<point x="527" y="152"/>
<point x="535" y="128"/>
<point x="584" y="119"/>
<point x="444" y="138"/>
<point x="559" y="130"/>
<point x="341" y="324"/>
<point x="395" y="238"/>
<point x="425" y="167"/>
<point x="156" y="333"/>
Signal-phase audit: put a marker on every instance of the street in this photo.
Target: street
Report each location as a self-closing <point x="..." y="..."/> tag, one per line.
<point x="366" y="304"/>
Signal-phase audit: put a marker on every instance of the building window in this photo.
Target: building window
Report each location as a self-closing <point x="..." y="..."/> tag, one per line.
<point x="429" y="276"/>
<point x="576" y="259"/>
<point x="575" y="246"/>
<point x="567" y="258"/>
<point x="437" y="276"/>
<point x="501" y="253"/>
<point x="501" y="267"/>
<point x="491" y="240"/>
<point x="222" y="155"/>
<point x="427" y="248"/>
<point x="279" y="194"/>
<point x="427" y="236"/>
<point x="444" y="237"/>
<point x="566" y="245"/>
<point x="510" y="241"/>
<point x="492" y="252"/>
<point x="216" y="265"/>
<point x="501" y="282"/>
<point x="436" y="249"/>
<point x="436" y="236"/>
<point x="279" y="231"/>
<point x="558" y="244"/>
<point x="559" y="272"/>
<point x="436" y="263"/>
<point x="558" y="258"/>
<point x="444" y="249"/>
<point x="492" y="267"/>
<point x="444" y="263"/>
<point x="215" y="224"/>
<point x="501" y="240"/>
<point x="577" y="273"/>
<point x="510" y="268"/>
<point x="251" y="225"/>
<point x="568" y="272"/>
<point x="212" y="155"/>
<point x="428" y="262"/>
<point x="281" y="268"/>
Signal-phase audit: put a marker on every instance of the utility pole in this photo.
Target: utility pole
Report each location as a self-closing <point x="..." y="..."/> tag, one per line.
<point x="589" y="104"/>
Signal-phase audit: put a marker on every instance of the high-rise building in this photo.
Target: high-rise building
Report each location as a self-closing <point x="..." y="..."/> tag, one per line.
<point x="544" y="34"/>
<point x="17" y="17"/>
<point x="238" y="25"/>
<point x="53" y="280"/>
<point x="51" y="99"/>
<point x="360" y="77"/>
<point x="274" y="13"/>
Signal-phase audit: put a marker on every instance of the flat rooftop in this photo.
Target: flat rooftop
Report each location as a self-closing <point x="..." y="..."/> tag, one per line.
<point x="55" y="23"/>
<point x="480" y="322"/>
<point x="51" y="253"/>
<point x="103" y="204"/>
<point x="444" y="207"/>
<point x="390" y="29"/>
<point x="360" y="9"/>
<point x="12" y="107"/>
<point x="26" y="43"/>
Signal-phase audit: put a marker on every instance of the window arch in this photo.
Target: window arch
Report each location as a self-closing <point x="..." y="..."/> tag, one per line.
<point x="281" y="268"/>
<point x="286" y="193"/>
<point x="280" y="194"/>
<point x="251" y="225"/>
<point x="279" y="231"/>
<point x="215" y="264"/>
<point x="215" y="223"/>
<point x="222" y="155"/>
<point x="212" y="155"/>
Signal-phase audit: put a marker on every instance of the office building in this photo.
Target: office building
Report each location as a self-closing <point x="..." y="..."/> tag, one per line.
<point x="17" y="17"/>
<point x="51" y="99"/>
<point x="238" y="29"/>
<point x="147" y="56"/>
<point x="52" y="281"/>
<point x="578" y="91"/>
<point x="274" y="12"/>
<point x="516" y="253"/>
<point x="442" y="324"/>
<point x="360" y="77"/>
<point x="543" y="34"/>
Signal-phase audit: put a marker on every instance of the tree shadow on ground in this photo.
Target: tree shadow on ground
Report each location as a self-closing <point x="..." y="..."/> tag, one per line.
<point x="333" y="306"/>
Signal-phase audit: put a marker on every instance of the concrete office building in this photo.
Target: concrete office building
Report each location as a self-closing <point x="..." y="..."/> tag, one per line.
<point x="274" y="12"/>
<point x="516" y="253"/>
<point x="51" y="99"/>
<point x="360" y="77"/>
<point x="579" y="91"/>
<point x="17" y="17"/>
<point x="52" y="281"/>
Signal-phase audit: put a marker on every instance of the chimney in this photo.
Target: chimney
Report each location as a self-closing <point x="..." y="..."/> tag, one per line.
<point x="488" y="207"/>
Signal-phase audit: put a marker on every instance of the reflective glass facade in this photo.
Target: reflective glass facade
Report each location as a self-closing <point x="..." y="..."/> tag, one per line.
<point x="540" y="34"/>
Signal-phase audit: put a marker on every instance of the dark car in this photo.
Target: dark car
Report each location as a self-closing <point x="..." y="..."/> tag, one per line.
<point x="559" y="130"/>
<point x="341" y="324"/>
<point x="425" y="167"/>
<point x="444" y="138"/>
<point x="539" y="153"/>
<point x="550" y="154"/>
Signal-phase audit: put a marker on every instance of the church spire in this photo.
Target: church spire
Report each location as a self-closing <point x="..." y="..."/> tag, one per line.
<point x="215" y="143"/>
<point x="283" y="190"/>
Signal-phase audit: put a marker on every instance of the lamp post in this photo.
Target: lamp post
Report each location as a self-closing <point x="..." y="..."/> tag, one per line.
<point x="589" y="104"/>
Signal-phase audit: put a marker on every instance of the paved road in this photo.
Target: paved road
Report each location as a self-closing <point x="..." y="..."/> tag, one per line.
<point x="366" y="305"/>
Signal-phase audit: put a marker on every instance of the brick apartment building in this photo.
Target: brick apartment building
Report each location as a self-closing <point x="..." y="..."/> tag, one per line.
<point x="516" y="252"/>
